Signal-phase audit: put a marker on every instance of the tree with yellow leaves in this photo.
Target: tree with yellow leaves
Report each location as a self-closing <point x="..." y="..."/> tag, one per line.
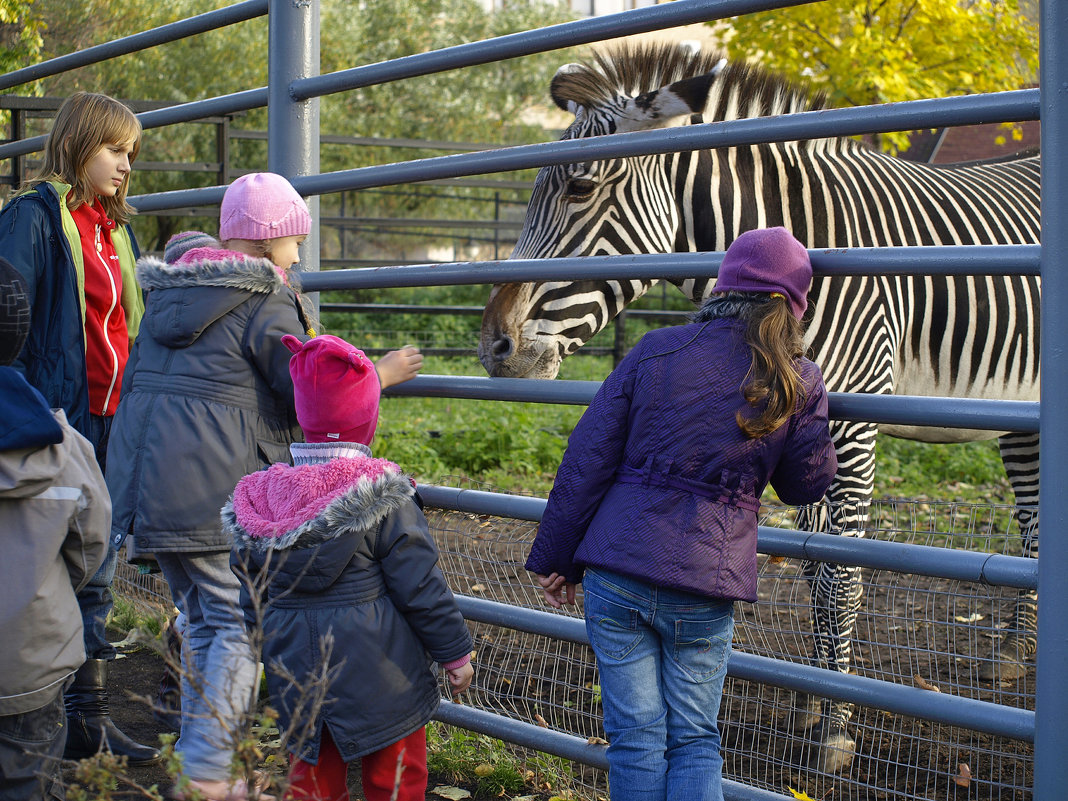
<point x="860" y="52"/>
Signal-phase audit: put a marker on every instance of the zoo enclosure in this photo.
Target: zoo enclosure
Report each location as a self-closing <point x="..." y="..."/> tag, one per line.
<point x="291" y="96"/>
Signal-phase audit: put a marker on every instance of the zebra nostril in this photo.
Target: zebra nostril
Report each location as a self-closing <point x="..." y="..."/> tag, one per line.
<point x="502" y="348"/>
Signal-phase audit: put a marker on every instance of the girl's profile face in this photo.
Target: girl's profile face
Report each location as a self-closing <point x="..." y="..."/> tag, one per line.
<point x="108" y="168"/>
<point x="285" y="250"/>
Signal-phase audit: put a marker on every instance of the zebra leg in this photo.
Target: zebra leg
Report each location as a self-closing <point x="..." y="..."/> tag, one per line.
<point x="836" y="590"/>
<point x="1019" y="453"/>
<point x="837" y="593"/>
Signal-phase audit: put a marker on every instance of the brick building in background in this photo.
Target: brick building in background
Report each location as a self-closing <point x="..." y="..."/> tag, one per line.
<point x="970" y="143"/>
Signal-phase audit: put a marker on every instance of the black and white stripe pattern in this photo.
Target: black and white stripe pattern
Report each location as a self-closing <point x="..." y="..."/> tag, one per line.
<point x="973" y="337"/>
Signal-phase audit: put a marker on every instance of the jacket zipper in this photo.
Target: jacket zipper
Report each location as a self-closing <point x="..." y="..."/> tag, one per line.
<point x="107" y="319"/>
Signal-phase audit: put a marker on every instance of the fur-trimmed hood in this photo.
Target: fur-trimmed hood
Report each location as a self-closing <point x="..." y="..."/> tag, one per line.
<point x="211" y="267"/>
<point x="183" y="299"/>
<point x="306" y="505"/>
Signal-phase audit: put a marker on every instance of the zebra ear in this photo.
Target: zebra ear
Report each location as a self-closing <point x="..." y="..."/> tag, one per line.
<point x="670" y="105"/>
<point x="562" y="86"/>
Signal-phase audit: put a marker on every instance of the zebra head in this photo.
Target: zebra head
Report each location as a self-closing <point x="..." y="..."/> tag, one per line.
<point x="576" y="209"/>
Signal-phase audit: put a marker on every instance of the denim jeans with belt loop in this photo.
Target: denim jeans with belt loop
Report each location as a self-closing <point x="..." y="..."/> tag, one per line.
<point x="662" y="657"/>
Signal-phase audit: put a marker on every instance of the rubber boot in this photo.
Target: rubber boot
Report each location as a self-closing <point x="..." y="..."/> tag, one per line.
<point x="168" y="706"/>
<point x="89" y="725"/>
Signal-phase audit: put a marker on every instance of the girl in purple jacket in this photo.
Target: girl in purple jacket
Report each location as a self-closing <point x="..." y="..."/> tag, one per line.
<point x="654" y="509"/>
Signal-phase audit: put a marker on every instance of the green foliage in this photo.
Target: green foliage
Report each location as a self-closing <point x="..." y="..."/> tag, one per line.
<point x="485" y="105"/>
<point x="20" y="35"/>
<point x="859" y="53"/>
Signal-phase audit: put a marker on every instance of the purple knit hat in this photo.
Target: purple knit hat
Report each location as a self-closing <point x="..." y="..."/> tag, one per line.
<point x="335" y="389"/>
<point x="262" y="205"/>
<point x="768" y="260"/>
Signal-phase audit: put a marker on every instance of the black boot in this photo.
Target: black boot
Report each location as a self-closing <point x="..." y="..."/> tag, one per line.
<point x="89" y="725"/>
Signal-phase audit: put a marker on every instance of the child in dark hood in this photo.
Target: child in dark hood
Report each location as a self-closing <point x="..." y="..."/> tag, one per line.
<point x="654" y="509"/>
<point x="54" y="519"/>
<point x="339" y="546"/>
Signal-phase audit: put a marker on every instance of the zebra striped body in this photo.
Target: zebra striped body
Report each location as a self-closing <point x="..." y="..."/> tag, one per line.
<point x="974" y="337"/>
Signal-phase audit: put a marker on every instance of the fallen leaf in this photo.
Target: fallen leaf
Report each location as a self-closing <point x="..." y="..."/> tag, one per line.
<point x="923" y="684"/>
<point x="964" y="775"/>
<point x="596" y="741"/>
<point x="451" y="793"/>
<point x="972" y="618"/>
<point x="540" y="721"/>
<point x="800" y="796"/>
<point x="485" y="769"/>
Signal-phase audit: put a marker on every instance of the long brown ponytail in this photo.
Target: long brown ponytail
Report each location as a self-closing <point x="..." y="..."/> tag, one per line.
<point x="774" y="336"/>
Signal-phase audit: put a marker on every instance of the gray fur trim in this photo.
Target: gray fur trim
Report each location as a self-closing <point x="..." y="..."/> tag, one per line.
<point x="740" y="305"/>
<point x="247" y="273"/>
<point x="360" y="508"/>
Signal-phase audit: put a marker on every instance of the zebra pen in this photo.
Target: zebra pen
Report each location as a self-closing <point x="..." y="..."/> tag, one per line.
<point x="935" y="576"/>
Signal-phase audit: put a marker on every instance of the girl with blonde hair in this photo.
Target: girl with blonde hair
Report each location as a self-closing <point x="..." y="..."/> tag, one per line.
<point x="67" y="233"/>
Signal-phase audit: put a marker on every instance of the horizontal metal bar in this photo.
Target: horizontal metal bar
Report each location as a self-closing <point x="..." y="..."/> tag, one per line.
<point x="183" y="112"/>
<point x="568" y="746"/>
<point x="982" y="716"/>
<point x="171" y="32"/>
<point x="525" y="43"/>
<point x="939" y="260"/>
<point x="962" y="413"/>
<point x="1016" y="105"/>
<point x="923" y="560"/>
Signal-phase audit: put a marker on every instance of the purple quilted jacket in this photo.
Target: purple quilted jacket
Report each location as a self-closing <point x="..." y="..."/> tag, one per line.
<point x="659" y="483"/>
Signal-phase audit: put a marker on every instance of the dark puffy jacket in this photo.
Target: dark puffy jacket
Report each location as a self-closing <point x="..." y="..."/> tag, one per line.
<point x="342" y="548"/>
<point x="206" y="397"/>
<point x="658" y="481"/>
<point x="39" y="237"/>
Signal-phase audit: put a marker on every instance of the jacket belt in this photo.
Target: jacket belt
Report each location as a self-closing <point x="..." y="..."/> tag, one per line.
<point x="243" y="397"/>
<point x="714" y="492"/>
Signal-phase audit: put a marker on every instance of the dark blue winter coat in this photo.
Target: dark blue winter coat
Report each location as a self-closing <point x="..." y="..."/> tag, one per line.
<point x="40" y="239"/>
<point x="659" y="482"/>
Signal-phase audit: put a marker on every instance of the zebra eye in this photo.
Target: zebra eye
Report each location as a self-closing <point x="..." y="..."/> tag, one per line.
<point x="580" y="188"/>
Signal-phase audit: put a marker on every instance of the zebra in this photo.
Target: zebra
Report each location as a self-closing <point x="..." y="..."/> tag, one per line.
<point x="970" y="336"/>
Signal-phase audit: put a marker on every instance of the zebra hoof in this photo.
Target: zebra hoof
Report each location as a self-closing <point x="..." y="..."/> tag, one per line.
<point x="1009" y="662"/>
<point x="805" y="713"/>
<point x="835" y="751"/>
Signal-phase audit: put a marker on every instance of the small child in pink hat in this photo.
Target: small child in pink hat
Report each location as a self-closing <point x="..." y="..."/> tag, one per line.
<point x="341" y="549"/>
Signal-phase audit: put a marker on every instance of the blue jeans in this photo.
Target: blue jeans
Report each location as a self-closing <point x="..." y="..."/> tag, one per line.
<point x="218" y="671"/>
<point x="31" y="747"/>
<point x="95" y="599"/>
<point x="662" y="657"/>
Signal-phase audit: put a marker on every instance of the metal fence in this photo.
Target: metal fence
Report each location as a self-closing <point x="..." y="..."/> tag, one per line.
<point x="935" y="574"/>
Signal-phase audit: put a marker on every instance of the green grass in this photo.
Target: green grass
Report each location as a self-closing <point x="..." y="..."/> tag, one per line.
<point x="475" y="760"/>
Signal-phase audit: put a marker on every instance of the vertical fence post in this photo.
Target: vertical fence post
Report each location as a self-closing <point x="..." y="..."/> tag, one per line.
<point x="293" y="126"/>
<point x="1051" y="693"/>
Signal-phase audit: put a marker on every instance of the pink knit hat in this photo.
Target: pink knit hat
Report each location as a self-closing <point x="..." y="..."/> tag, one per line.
<point x="262" y="205"/>
<point x="767" y="260"/>
<point x="336" y="389"/>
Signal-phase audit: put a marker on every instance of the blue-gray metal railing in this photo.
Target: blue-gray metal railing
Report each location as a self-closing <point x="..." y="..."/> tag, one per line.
<point x="1051" y="694"/>
<point x="1001" y="106"/>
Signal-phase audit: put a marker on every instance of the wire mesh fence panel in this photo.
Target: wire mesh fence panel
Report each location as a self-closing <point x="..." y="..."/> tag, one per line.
<point x="925" y="632"/>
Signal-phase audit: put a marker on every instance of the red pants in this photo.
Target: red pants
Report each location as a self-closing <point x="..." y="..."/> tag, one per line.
<point x="328" y="781"/>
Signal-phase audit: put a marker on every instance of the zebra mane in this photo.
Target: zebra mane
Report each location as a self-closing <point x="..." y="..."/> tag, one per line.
<point x="633" y="69"/>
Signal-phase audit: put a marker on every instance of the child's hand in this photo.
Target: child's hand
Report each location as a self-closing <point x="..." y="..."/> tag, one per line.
<point x="460" y="678"/>
<point x="399" y="366"/>
<point x="558" y="590"/>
